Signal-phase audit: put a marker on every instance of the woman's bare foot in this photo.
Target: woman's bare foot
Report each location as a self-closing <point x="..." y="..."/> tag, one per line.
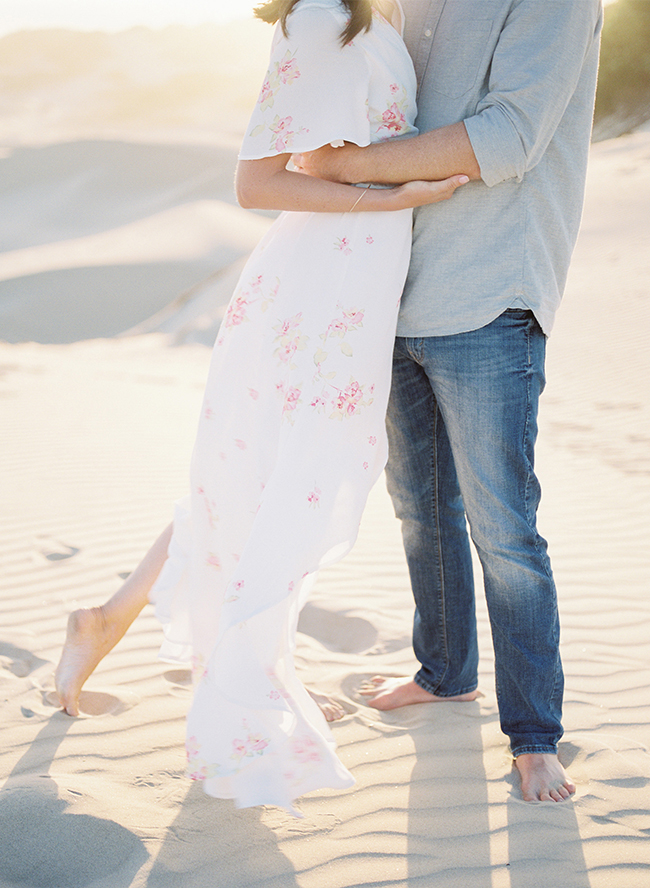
<point x="88" y="639"/>
<point x="391" y="693"/>
<point x="543" y="779"/>
<point x="92" y="632"/>
<point x="331" y="709"/>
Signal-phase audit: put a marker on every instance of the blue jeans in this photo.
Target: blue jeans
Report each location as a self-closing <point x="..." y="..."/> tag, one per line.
<point x="462" y="424"/>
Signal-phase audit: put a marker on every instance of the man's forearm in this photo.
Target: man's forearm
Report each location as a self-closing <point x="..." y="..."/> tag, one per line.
<point x="434" y="155"/>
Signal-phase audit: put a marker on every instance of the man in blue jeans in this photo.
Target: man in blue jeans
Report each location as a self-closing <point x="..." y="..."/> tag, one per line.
<point x="506" y="90"/>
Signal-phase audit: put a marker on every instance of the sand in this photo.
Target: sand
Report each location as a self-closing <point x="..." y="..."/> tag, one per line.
<point x="97" y="428"/>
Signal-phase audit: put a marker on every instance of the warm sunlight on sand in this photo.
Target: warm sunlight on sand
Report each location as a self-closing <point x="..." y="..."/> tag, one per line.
<point x="120" y="14"/>
<point x="183" y="83"/>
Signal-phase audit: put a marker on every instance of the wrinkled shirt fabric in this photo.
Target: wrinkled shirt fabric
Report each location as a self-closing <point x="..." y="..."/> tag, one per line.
<point x="521" y="74"/>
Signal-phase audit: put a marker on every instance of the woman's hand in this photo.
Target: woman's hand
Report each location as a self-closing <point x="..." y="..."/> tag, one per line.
<point x="418" y="193"/>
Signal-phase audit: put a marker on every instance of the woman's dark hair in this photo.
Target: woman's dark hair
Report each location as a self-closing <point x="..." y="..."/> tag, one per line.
<point x="279" y="10"/>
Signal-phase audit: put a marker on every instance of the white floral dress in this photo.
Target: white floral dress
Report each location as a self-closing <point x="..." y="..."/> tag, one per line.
<point x="291" y="437"/>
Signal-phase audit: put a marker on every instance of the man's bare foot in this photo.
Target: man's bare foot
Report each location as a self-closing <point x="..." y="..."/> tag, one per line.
<point x="391" y="693"/>
<point x="543" y="779"/>
<point x="88" y="639"/>
<point x="331" y="709"/>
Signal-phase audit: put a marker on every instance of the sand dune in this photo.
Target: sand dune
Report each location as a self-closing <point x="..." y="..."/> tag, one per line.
<point x="173" y="81"/>
<point x="97" y="437"/>
<point x="130" y="226"/>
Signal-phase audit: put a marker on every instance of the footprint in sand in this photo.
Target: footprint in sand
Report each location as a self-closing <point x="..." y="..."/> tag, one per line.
<point x="19" y="661"/>
<point x="337" y="632"/>
<point x="55" y="550"/>
<point x="180" y="681"/>
<point x="91" y="703"/>
<point x="352" y="683"/>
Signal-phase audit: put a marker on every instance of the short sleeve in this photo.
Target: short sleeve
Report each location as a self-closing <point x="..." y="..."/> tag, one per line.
<point x="315" y="91"/>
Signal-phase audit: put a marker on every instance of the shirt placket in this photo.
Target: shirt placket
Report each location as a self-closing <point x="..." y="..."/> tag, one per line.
<point x="423" y="51"/>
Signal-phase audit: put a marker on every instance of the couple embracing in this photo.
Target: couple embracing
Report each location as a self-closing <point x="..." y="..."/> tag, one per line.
<point x="397" y="310"/>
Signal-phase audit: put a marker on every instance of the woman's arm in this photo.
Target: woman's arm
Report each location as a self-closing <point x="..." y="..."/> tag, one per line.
<point x="266" y="184"/>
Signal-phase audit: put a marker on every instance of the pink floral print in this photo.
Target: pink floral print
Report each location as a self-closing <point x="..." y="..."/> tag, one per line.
<point x="283" y="135"/>
<point x="210" y="507"/>
<point x="320" y="401"/>
<point x="266" y="95"/>
<point x="290" y="400"/>
<point x="393" y="119"/>
<point x="287" y="68"/>
<point x="199" y="668"/>
<point x="277" y="684"/>
<point x="289" y="340"/>
<point x="236" y="311"/>
<point x="238" y="586"/>
<point x="197" y="767"/>
<point x="349" y="401"/>
<point x="313" y="497"/>
<point x="342" y="244"/>
<point x="283" y="72"/>
<point x="305" y="750"/>
<point x="252" y="293"/>
<point x="250" y="745"/>
<point x="348" y="319"/>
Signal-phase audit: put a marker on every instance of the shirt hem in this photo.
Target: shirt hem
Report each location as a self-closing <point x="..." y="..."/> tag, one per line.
<point x="407" y="332"/>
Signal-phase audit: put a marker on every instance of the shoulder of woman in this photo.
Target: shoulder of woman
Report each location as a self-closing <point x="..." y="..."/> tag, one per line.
<point x="328" y="15"/>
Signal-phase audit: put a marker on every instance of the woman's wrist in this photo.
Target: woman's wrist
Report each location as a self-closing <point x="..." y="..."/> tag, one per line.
<point x="381" y="199"/>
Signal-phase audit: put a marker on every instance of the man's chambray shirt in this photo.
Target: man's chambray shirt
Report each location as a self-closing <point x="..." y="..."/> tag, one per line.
<point x="522" y="75"/>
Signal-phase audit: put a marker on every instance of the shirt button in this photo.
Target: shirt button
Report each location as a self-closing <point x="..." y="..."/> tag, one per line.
<point x="427" y="33"/>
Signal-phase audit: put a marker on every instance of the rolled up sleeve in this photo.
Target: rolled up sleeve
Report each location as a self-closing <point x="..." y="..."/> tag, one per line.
<point x="535" y="71"/>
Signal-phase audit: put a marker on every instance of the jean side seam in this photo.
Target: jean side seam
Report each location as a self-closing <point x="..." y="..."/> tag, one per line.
<point x="532" y="519"/>
<point x="540" y="551"/>
<point x="525" y="442"/>
<point x="441" y="570"/>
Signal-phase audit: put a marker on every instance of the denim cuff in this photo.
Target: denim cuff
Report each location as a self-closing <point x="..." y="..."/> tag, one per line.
<point x="434" y="689"/>
<point x="533" y="750"/>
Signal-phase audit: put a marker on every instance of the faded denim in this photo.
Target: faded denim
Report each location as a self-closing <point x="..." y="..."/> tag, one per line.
<point x="462" y="424"/>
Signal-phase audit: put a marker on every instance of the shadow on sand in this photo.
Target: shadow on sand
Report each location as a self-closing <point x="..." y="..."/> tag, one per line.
<point x="213" y="843"/>
<point x="455" y="839"/>
<point x="45" y="846"/>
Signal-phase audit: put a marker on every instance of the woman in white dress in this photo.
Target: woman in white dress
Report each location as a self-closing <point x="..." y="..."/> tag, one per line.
<point x="291" y="436"/>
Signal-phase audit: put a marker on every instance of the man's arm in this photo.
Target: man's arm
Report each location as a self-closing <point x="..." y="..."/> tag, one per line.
<point x="535" y="68"/>
<point x="434" y="155"/>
